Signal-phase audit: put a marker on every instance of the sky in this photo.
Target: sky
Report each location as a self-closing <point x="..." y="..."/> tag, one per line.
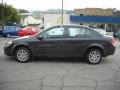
<point x="32" y="5"/>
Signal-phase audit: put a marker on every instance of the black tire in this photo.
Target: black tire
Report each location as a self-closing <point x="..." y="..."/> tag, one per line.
<point x="4" y="35"/>
<point x="94" y="59"/>
<point x="24" y="57"/>
<point x="7" y="35"/>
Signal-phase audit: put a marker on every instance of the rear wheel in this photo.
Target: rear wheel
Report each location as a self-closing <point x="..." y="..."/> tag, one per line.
<point x="23" y="54"/>
<point x="7" y="35"/>
<point x="94" y="56"/>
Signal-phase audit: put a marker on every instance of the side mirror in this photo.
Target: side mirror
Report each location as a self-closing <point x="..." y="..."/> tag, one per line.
<point x="40" y="37"/>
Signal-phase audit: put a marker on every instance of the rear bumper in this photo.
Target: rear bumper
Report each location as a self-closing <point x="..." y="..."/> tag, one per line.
<point x="109" y="51"/>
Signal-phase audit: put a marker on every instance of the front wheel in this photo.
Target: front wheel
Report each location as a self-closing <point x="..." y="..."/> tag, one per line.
<point x="94" y="56"/>
<point x="23" y="54"/>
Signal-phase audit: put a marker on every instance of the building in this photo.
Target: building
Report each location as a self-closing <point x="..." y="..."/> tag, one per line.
<point x="55" y="19"/>
<point x="30" y="20"/>
<point x="94" y="12"/>
<point x="96" y="17"/>
<point x="93" y="17"/>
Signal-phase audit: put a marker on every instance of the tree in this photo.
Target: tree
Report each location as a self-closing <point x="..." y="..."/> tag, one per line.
<point x="10" y="14"/>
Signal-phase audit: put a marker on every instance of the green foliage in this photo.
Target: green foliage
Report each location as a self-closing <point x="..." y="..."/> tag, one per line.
<point x="10" y="14"/>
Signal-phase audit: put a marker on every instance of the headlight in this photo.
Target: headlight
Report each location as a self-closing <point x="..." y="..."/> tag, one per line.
<point x="8" y="43"/>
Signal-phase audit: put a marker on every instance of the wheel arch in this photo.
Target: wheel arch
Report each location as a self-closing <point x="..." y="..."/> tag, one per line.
<point x="95" y="47"/>
<point x="28" y="33"/>
<point x="21" y="45"/>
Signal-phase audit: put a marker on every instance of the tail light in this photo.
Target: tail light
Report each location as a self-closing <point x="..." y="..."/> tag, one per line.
<point x="113" y="41"/>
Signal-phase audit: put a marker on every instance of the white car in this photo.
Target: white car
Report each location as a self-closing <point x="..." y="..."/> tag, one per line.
<point x="103" y="32"/>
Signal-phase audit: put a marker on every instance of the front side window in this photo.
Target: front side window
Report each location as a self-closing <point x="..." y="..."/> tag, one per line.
<point x="55" y="32"/>
<point x="79" y="32"/>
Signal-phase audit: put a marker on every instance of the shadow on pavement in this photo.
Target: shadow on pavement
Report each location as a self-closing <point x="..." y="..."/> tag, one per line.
<point x="50" y="59"/>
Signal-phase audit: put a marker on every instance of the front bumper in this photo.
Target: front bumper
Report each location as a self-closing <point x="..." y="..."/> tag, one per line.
<point x="8" y="51"/>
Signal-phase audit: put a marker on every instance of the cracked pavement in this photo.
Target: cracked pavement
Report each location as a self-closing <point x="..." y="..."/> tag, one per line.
<point x="59" y="74"/>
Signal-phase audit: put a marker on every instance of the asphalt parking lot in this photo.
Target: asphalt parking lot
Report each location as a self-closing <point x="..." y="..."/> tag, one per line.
<point x="59" y="74"/>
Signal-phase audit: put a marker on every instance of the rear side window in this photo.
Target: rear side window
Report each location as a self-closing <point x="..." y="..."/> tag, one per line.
<point x="79" y="32"/>
<point x="11" y="28"/>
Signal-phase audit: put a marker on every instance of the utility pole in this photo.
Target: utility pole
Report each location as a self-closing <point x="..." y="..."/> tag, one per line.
<point x="3" y="14"/>
<point x="62" y="14"/>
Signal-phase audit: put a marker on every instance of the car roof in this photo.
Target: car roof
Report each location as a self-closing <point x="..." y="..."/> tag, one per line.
<point x="71" y="25"/>
<point x="68" y="25"/>
<point x="98" y="29"/>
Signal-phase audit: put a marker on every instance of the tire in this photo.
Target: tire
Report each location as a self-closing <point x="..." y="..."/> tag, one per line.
<point x="4" y="35"/>
<point x="94" y="56"/>
<point x="7" y="35"/>
<point x="23" y="54"/>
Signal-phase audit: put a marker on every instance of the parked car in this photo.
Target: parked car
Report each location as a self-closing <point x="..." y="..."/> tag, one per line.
<point x="0" y="31"/>
<point x="26" y="31"/>
<point x="10" y="31"/>
<point x="116" y="34"/>
<point x="65" y="41"/>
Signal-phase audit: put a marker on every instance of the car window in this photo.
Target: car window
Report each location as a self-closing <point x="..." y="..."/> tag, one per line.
<point x="11" y="28"/>
<point x="76" y="32"/>
<point x="55" y="32"/>
<point x="101" y="31"/>
<point x="88" y="33"/>
<point x="79" y="32"/>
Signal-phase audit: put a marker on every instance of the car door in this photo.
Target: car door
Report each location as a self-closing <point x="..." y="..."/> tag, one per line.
<point x="50" y="42"/>
<point x="13" y="30"/>
<point x="77" y="41"/>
